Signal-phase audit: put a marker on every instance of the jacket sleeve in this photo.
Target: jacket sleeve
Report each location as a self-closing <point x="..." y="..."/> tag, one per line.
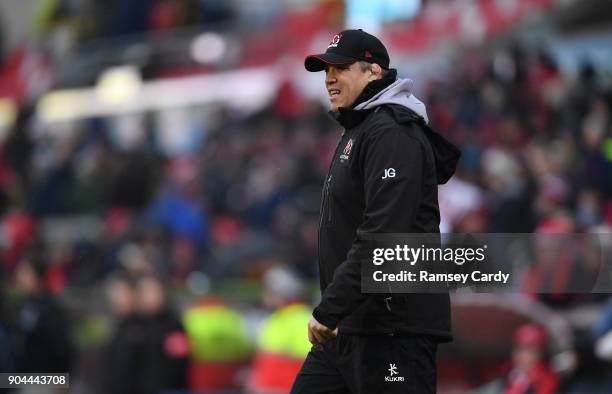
<point x="392" y="165"/>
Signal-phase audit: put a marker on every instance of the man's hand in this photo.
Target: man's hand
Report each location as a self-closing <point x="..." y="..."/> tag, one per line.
<point x="318" y="333"/>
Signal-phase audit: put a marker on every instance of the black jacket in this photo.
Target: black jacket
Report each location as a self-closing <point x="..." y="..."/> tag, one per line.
<point x="138" y="361"/>
<point x="122" y="359"/>
<point x="161" y="371"/>
<point x="44" y="332"/>
<point x="384" y="132"/>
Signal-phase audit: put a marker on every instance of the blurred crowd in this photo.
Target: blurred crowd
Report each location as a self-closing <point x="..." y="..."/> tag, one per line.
<point x="91" y="19"/>
<point x="536" y="142"/>
<point x="113" y="254"/>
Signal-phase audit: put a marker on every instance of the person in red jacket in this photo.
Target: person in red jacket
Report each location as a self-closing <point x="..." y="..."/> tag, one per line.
<point x="530" y="372"/>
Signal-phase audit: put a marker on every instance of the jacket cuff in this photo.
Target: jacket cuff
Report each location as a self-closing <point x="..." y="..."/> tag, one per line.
<point x="324" y="318"/>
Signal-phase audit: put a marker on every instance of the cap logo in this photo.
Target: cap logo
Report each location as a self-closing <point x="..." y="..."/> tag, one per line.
<point x="367" y="54"/>
<point x="334" y="42"/>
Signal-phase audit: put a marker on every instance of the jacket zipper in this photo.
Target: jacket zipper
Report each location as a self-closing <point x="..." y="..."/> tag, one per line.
<point x="325" y="202"/>
<point x="329" y="210"/>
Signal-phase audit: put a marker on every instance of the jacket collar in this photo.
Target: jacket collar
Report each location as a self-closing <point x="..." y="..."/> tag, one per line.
<point x="374" y="87"/>
<point x="350" y="117"/>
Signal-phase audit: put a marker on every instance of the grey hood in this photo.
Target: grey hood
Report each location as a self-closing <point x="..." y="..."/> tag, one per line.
<point x="400" y="93"/>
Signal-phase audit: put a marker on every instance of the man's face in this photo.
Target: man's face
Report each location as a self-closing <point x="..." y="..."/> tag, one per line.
<point x="345" y="83"/>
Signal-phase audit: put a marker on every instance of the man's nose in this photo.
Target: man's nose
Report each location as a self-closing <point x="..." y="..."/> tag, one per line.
<point x="330" y="79"/>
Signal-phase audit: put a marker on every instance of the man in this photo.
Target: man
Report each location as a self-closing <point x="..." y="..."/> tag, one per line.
<point x="123" y="349"/>
<point x="383" y="179"/>
<point x="164" y="351"/>
<point x="44" y="341"/>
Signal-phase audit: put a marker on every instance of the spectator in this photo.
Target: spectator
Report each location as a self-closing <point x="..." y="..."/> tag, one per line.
<point x="179" y="208"/>
<point x="530" y="371"/>
<point x="6" y="356"/>
<point x="122" y="358"/>
<point x="220" y="346"/>
<point x="43" y="326"/>
<point x="282" y="344"/>
<point x="162" y="359"/>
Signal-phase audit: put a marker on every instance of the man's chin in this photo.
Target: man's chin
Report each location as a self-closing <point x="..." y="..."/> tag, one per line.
<point x="334" y="108"/>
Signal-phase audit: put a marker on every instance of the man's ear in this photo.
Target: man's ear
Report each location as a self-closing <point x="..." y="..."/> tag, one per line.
<point x="376" y="72"/>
